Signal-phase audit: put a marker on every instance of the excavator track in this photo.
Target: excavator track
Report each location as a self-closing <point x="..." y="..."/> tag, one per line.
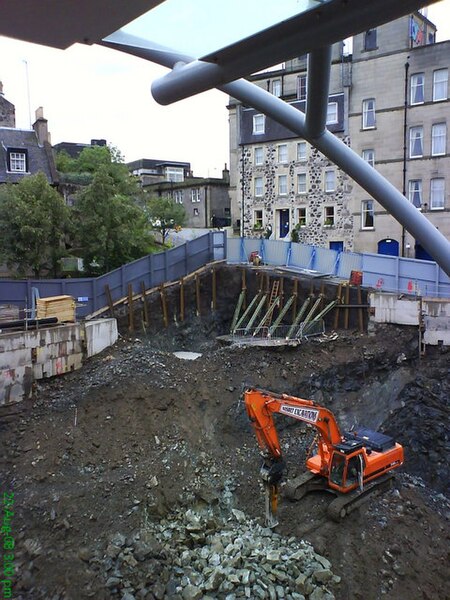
<point x="344" y="504"/>
<point x="295" y="489"/>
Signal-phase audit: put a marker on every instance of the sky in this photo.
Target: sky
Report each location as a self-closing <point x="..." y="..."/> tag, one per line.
<point x="92" y="92"/>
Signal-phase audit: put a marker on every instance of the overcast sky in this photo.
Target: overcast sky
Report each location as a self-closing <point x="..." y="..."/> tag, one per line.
<point x="94" y="92"/>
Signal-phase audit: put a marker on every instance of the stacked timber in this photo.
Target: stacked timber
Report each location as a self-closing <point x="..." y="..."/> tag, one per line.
<point x="8" y="312"/>
<point x="61" y="307"/>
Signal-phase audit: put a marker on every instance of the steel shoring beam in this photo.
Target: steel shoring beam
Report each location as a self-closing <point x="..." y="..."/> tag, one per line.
<point x="319" y="69"/>
<point x="332" y="147"/>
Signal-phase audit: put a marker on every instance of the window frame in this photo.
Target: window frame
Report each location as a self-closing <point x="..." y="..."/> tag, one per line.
<point x="257" y="188"/>
<point x="366" y="111"/>
<point x="178" y="196"/>
<point x="367" y="211"/>
<point x="302" y="87"/>
<point x="433" y="190"/>
<point x="370" y="39"/>
<point x="412" y="141"/>
<point x="371" y="161"/>
<point x="302" y="157"/>
<point x="444" y="82"/>
<point x="414" y="87"/>
<point x="329" y="214"/>
<point x="438" y="138"/>
<point x="302" y="189"/>
<point x="17" y="156"/>
<point x="415" y="188"/>
<point x="326" y="187"/>
<point x="276" y="88"/>
<point x="259" y="124"/>
<point x="256" y="150"/>
<point x="195" y="195"/>
<point x="332" y="121"/>
<point x="304" y="217"/>
<point x="282" y="154"/>
<point x="258" y="220"/>
<point x="284" y="179"/>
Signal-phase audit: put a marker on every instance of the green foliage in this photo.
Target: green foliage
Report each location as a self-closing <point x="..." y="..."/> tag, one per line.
<point x="111" y="229"/>
<point x="33" y="223"/>
<point x="165" y="214"/>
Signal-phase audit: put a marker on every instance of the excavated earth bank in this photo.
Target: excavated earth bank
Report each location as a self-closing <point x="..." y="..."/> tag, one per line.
<point x="138" y="476"/>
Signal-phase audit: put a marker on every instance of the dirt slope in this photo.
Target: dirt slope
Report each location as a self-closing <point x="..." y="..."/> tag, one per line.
<point x="138" y="433"/>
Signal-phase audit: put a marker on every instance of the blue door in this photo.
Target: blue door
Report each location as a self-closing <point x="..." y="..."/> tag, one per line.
<point x="339" y="246"/>
<point x="389" y="247"/>
<point x="284" y="222"/>
<point x="421" y="253"/>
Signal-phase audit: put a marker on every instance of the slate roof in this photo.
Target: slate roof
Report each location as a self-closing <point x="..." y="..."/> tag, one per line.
<point x="40" y="157"/>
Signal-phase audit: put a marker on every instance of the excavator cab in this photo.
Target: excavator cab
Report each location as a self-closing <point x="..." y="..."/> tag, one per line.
<point x="346" y="471"/>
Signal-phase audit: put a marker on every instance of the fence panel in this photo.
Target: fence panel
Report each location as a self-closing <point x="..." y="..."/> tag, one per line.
<point x="325" y="260"/>
<point x="274" y="252"/>
<point x="348" y="262"/>
<point x="301" y="256"/>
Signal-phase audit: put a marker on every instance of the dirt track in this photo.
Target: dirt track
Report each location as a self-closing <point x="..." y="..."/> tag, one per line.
<point x="138" y="433"/>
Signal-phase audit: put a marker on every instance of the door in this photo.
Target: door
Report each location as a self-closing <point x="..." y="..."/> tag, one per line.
<point x="388" y="247"/>
<point x="284" y="222"/>
<point x="421" y="253"/>
<point x="339" y="246"/>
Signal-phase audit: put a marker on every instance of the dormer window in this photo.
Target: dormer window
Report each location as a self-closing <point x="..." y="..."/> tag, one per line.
<point x="17" y="161"/>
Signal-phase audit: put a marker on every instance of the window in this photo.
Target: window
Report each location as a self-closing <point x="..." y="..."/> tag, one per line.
<point x="330" y="181"/>
<point x="301" y="151"/>
<point x="301" y="183"/>
<point x="367" y="214"/>
<point x="302" y="216"/>
<point x="328" y="216"/>
<point x="415" y="142"/>
<point x="282" y="185"/>
<point x="259" y="155"/>
<point x="415" y="192"/>
<point x="437" y="193"/>
<point x="301" y="87"/>
<point x="282" y="153"/>
<point x="258" y="219"/>
<point x="276" y="87"/>
<point x="440" y="85"/>
<point x="370" y="39"/>
<point x="196" y="213"/>
<point x="17" y="162"/>
<point x="258" y="186"/>
<point x="195" y="195"/>
<point x="368" y="108"/>
<point x="174" y="173"/>
<point x="438" y="139"/>
<point x="259" y="124"/>
<point x="332" y="113"/>
<point x="178" y="196"/>
<point x="417" y="88"/>
<point x="369" y="157"/>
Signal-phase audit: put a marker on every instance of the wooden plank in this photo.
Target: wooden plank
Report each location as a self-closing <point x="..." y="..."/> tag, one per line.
<point x="197" y="294"/>
<point x="144" y="304"/>
<point x="360" y="310"/>
<point x="182" y="299"/>
<point x="110" y="301"/>
<point x="337" y="313"/>
<point x="214" y="289"/>
<point x="162" y="293"/>
<point x="130" y="308"/>
<point x="347" y="310"/>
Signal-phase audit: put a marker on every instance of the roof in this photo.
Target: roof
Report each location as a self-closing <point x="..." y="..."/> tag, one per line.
<point x="150" y="163"/>
<point x="39" y="157"/>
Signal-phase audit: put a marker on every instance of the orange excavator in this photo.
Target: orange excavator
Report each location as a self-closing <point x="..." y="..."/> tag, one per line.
<point x="352" y="465"/>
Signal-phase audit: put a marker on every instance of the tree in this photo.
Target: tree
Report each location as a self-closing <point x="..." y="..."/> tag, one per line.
<point x="111" y="229"/>
<point x="33" y="223"/>
<point x="165" y="214"/>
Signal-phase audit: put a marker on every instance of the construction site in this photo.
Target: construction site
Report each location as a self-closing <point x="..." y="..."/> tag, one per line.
<point x="136" y="475"/>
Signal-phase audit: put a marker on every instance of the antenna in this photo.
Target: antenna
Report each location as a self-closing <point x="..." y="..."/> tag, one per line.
<point x="28" y="93"/>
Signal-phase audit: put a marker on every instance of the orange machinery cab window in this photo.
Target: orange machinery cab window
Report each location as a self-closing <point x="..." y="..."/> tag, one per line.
<point x="346" y="471"/>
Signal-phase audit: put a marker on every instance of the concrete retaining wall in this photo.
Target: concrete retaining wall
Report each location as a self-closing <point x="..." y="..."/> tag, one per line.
<point x="27" y="356"/>
<point x="389" y="308"/>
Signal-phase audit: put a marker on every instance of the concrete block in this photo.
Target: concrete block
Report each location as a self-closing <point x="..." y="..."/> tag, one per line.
<point x="99" y="335"/>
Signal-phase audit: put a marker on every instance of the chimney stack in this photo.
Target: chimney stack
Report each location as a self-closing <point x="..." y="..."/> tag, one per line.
<point x="40" y="126"/>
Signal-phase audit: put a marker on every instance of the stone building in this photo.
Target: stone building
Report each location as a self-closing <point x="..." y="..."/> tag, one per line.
<point x="206" y="199"/>
<point x="282" y="187"/>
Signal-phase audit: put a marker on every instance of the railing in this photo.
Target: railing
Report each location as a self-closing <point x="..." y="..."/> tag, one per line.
<point x="282" y="333"/>
<point x="381" y="272"/>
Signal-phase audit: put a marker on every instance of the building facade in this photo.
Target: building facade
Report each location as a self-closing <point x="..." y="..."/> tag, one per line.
<point x="205" y="200"/>
<point x="388" y="100"/>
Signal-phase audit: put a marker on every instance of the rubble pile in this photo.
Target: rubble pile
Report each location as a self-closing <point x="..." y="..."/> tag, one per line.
<point x="194" y="554"/>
